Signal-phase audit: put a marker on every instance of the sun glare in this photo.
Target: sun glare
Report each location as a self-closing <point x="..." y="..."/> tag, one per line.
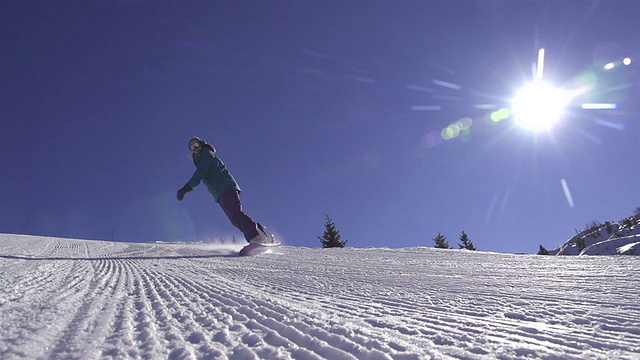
<point x="538" y="106"/>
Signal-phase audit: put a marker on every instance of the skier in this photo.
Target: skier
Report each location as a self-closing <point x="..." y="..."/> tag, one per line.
<point x="224" y="188"/>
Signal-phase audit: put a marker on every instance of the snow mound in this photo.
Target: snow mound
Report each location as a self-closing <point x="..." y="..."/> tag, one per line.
<point x="605" y="239"/>
<point x="630" y="249"/>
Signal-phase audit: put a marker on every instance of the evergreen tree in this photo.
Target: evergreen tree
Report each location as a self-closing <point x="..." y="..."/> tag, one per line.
<point x="543" y="251"/>
<point x="331" y="237"/>
<point x="441" y="241"/>
<point x="466" y="243"/>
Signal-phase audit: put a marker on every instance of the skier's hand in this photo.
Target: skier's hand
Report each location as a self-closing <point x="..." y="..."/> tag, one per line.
<point x="183" y="191"/>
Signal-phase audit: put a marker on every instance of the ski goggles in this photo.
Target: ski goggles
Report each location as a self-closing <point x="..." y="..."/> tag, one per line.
<point x="194" y="145"/>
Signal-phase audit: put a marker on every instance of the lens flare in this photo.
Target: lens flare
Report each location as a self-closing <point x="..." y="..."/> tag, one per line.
<point x="600" y="106"/>
<point x="445" y="134"/>
<point x="465" y="123"/>
<point x="431" y="140"/>
<point x="453" y="131"/>
<point x="540" y="67"/>
<point x="500" y="115"/>
<point x="567" y="193"/>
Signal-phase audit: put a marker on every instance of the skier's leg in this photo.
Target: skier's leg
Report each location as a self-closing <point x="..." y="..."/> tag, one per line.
<point x="232" y="207"/>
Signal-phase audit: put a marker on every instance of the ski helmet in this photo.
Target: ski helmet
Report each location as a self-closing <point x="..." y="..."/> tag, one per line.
<point x="195" y="142"/>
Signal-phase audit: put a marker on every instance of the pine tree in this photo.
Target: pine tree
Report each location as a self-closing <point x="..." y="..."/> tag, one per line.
<point x="543" y="251"/>
<point x="331" y="237"/>
<point x="466" y="243"/>
<point x="441" y="241"/>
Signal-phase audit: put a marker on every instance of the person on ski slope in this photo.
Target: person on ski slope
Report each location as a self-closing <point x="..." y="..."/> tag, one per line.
<point x="225" y="190"/>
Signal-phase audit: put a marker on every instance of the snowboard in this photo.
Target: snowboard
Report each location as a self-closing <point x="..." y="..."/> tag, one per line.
<point x="255" y="249"/>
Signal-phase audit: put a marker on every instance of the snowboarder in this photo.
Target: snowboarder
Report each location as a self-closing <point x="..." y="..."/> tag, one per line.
<point x="224" y="188"/>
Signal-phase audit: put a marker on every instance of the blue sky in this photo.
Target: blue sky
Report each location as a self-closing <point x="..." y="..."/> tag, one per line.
<point x="317" y="108"/>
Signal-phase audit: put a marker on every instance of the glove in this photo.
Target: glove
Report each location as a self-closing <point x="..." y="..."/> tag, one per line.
<point x="183" y="191"/>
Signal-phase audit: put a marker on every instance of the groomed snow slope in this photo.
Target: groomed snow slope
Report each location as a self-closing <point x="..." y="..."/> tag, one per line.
<point x="81" y="299"/>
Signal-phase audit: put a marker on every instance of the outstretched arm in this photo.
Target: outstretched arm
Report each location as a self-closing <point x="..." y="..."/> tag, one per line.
<point x="203" y="168"/>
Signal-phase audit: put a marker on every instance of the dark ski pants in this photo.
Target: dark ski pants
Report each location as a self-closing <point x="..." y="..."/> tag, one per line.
<point x="232" y="207"/>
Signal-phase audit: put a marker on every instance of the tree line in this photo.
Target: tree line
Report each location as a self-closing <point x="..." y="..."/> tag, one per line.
<point x="332" y="238"/>
<point x="465" y="243"/>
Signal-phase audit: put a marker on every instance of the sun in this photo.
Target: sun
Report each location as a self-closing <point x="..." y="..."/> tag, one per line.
<point x="538" y="106"/>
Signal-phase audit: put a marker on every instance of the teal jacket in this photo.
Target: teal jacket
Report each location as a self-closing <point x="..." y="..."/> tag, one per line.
<point x="212" y="172"/>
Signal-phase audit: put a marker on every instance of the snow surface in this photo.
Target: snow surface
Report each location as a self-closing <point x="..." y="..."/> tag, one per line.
<point x="82" y="299"/>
